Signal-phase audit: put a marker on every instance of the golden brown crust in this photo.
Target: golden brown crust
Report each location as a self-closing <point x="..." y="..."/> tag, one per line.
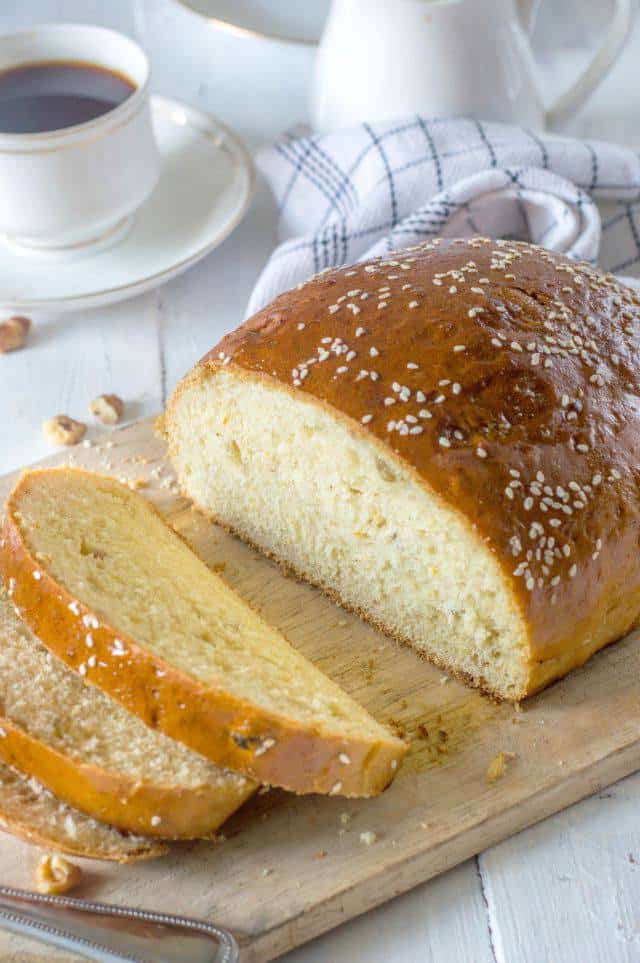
<point x="18" y="818"/>
<point x="505" y="377"/>
<point x="149" y="809"/>
<point x="229" y="731"/>
<point x="23" y="829"/>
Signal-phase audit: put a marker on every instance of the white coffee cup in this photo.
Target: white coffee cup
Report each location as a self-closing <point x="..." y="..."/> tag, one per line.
<point x="78" y="186"/>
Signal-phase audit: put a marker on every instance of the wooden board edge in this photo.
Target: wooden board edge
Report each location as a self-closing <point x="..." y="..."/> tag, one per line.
<point x="392" y="881"/>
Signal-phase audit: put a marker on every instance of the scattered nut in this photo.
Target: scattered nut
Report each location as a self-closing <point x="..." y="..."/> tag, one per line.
<point x="13" y="333"/>
<point x="368" y="838"/>
<point x="62" y="430"/>
<point x="498" y="766"/>
<point x="54" y="874"/>
<point x="107" y="409"/>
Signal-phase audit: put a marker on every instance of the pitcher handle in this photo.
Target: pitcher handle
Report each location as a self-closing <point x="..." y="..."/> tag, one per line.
<point x="610" y="50"/>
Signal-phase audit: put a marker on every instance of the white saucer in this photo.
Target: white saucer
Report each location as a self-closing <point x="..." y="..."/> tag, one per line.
<point x="204" y="191"/>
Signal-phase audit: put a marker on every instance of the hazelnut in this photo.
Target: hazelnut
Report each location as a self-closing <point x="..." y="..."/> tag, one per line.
<point x="54" y="875"/>
<point x="62" y="430"/>
<point x="13" y="333"/>
<point x="107" y="409"/>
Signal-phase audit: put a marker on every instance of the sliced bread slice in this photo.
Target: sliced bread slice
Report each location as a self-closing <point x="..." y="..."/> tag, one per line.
<point x="114" y="592"/>
<point x="30" y="811"/>
<point x="95" y="755"/>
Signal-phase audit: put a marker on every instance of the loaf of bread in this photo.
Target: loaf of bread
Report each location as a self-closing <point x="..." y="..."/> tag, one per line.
<point x="447" y="441"/>
<point x="111" y="590"/>
<point x="95" y="755"/>
<point x="30" y="811"/>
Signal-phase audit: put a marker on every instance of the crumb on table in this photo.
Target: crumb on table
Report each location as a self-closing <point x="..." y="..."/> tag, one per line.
<point x="498" y="766"/>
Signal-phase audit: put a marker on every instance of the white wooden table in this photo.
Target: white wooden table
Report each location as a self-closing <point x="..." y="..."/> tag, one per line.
<point x="566" y="890"/>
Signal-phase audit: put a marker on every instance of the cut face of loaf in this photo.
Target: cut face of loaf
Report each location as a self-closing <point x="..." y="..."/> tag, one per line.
<point x="300" y="483"/>
<point x="107" y="586"/>
<point x="446" y="440"/>
<point x="30" y="811"/>
<point x="95" y="755"/>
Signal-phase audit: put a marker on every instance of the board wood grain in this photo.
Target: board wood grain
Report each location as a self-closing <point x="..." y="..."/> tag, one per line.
<point x="290" y="868"/>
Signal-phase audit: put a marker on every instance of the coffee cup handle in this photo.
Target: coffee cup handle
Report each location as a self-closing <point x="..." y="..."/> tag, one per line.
<point x="609" y="51"/>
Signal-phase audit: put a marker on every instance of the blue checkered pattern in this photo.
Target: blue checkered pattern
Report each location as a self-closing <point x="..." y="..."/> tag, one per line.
<point x="352" y="194"/>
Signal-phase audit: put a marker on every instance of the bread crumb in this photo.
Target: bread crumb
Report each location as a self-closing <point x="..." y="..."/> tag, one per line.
<point x="63" y="430"/>
<point x="160" y="427"/>
<point x="444" y="679"/>
<point x="368" y="838"/>
<point x="107" y="408"/>
<point x="55" y="874"/>
<point x="498" y="766"/>
<point x="13" y="333"/>
<point x="345" y="818"/>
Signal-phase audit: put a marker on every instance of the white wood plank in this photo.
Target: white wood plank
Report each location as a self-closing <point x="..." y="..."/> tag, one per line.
<point x="442" y="920"/>
<point x="210" y="300"/>
<point x="568" y="889"/>
<point x="67" y="362"/>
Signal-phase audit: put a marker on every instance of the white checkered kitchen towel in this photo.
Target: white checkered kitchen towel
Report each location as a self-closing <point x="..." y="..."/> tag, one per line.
<point x="351" y="194"/>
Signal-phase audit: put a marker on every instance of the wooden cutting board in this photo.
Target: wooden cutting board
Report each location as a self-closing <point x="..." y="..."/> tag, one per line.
<point x="291" y="868"/>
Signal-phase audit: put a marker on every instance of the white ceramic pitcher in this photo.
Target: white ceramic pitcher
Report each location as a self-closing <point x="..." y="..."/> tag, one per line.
<point x="380" y="59"/>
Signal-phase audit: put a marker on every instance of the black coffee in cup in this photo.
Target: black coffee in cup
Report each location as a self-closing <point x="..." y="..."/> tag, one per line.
<point x="52" y="95"/>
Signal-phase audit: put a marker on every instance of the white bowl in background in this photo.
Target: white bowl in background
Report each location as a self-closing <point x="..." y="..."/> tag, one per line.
<point x="279" y="20"/>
